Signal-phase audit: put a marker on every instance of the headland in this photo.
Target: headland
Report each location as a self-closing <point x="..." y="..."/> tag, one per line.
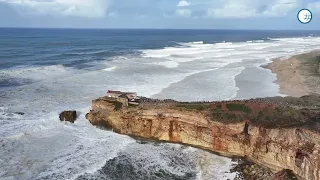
<point x="281" y="134"/>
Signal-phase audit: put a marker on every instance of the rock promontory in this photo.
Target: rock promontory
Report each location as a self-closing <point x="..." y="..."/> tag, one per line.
<point x="278" y="133"/>
<point x="70" y="116"/>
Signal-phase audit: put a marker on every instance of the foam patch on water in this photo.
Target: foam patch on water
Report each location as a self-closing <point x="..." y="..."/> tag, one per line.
<point x="204" y="56"/>
<point x="168" y="161"/>
<point x="255" y="48"/>
<point x="145" y="73"/>
<point x="219" y="82"/>
<point x="37" y="145"/>
<point x="255" y="41"/>
<point x="56" y="150"/>
<point x="36" y="72"/>
<point x="110" y="68"/>
<point x="212" y="166"/>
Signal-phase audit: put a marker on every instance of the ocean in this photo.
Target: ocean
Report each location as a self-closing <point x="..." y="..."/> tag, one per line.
<point x="46" y="71"/>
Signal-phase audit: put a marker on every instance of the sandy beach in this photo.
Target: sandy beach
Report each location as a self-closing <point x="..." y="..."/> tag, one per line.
<point x="298" y="75"/>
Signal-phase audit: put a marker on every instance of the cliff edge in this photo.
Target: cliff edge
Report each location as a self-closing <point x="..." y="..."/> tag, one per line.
<point x="279" y="133"/>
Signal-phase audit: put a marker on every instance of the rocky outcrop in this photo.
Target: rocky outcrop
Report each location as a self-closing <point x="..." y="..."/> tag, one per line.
<point x="293" y="147"/>
<point x="284" y="175"/>
<point x="20" y="113"/>
<point x="70" y="116"/>
<point x="250" y="171"/>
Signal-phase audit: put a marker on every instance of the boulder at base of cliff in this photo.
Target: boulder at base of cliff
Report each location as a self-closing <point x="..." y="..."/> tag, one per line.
<point x="70" y="116"/>
<point x="285" y="174"/>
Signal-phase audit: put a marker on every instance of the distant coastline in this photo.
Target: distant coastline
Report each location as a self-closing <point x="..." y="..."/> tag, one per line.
<point x="298" y="75"/>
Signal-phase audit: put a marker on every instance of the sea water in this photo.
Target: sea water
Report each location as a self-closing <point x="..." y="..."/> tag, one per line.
<point x="46" y="71"/>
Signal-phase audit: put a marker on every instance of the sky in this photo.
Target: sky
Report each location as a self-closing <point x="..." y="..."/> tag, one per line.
<point x="159" y="14"/>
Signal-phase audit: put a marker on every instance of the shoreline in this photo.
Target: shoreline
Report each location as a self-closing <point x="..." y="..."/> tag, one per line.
<point x="256" y="82"/>
<point x="298" y="75"/>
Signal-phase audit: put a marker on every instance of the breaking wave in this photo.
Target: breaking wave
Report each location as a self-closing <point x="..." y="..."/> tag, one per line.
<point x="49" y="149"/>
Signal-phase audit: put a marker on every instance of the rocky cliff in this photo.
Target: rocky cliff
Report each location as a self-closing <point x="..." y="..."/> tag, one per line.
<point x="269" y="134"/>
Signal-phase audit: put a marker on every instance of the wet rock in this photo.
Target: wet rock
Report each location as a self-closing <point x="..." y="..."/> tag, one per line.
<point x="250" y="171"/>
<point x="20" y="113"/>
<point x="285" y="175"/>
<point x="70" y="116"/>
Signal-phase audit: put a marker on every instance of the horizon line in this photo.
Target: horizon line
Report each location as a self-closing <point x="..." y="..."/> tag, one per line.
<point x="93" y="28"/>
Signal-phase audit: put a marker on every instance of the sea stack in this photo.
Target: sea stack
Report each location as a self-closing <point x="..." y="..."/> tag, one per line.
<point x="70" y="116"/>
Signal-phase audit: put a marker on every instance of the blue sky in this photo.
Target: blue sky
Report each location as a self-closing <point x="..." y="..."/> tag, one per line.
<point x="173" y="14"/>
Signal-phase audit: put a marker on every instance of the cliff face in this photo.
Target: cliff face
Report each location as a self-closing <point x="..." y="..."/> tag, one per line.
<point x="295" y="148"/>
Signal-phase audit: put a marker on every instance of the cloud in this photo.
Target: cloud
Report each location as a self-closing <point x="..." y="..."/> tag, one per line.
<point x="252" y="8"/>
<point x="80" y="8"/>
<point x="184" y="12"/>
<point x="183" y="4"/>
<point x="232" y="10"/>
<point x="314" y="6"/>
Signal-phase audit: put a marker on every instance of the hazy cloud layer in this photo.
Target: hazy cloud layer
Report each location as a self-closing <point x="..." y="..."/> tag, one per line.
<point x="157" y="13"/>
<point x="82" y="8"/>
<point x="251" y="8"/>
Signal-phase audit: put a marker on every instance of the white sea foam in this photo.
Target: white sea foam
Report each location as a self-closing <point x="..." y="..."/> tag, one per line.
<point x="48" y="148"/>
<point x="197" y="42"/>
<point x="252" y="49"/>
<point x="58" y="150"/>
<point x="168" y="64"/>
<point x="36" y="72"/>
<point x="215" y="84"/>
<point x="88" y="53"/>
<point x="110" y="68"/>
<point x="255" y="41"/>
<point x="207" y="162"/>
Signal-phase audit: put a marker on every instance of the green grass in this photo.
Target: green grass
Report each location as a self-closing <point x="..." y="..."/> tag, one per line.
<point x="268" y="118"/>
<point x="311" y="64"/>
<point x="238" y="107"/>
<point x="118" y="106"/>
<point x="224" y="116"/>
<point x="238" y="112"/>
<point x="260" y="115"/>
<point x="133" y="105"/>
<point x="199" y="107"/>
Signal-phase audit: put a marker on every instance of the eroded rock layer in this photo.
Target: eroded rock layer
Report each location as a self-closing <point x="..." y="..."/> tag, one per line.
<point x="276" y="136"/>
